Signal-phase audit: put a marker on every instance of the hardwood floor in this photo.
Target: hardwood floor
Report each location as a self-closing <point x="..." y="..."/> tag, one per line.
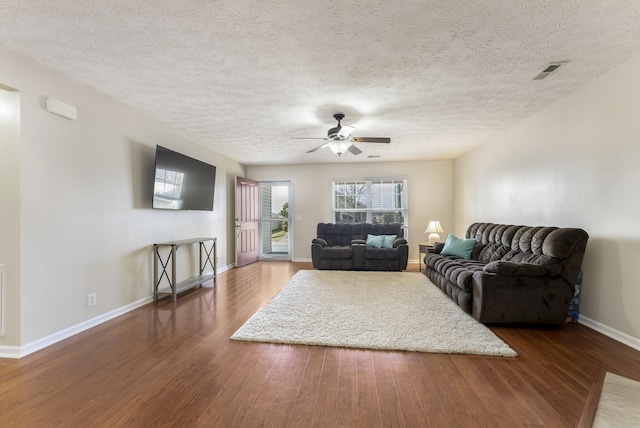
<point x="172" y="365"/>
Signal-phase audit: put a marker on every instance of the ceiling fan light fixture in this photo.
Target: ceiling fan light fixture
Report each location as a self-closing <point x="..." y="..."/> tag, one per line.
<point x="339" y="139"/>
<point x="339" y="147"/>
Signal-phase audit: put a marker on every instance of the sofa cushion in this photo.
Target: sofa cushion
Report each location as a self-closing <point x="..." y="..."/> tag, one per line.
<point x="492" y="252"/>
<point x="336" y="252"/>
<point x="388" y="240"/>
<point x="375" y="241"/>
<point x="456" y="270"/>
<point x="563" y="243"/>
<point x="501" y="267"/>
<point x="340" y="234"/>
<point x="383" y="229"/>
<point x="373" y="253"/>
<point x="455" y="246"/>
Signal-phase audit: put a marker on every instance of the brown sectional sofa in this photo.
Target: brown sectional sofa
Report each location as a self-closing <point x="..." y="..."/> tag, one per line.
<point x="516" y="274"/>
<point x="343" y="247"/>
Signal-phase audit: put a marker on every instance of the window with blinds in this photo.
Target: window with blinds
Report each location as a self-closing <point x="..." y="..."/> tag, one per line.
<point x="371" y="201"/>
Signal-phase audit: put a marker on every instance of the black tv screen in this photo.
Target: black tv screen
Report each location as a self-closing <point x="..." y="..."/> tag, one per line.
<point x="182" y="182"/>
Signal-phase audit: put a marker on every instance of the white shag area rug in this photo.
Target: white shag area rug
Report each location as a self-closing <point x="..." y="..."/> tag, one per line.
<point x="375" y="310"/>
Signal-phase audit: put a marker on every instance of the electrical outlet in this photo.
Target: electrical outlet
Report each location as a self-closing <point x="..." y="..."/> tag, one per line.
<point x="91" y="299"/>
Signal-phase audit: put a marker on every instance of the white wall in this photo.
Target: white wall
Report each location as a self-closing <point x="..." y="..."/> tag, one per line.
<point x="85" y="204"/>
<point x="574" y="164"/>
<point x="10" y="211"/>
<point x="430" y="196"/>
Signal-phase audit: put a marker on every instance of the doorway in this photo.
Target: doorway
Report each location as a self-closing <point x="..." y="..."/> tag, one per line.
<point x="275" y="220"/>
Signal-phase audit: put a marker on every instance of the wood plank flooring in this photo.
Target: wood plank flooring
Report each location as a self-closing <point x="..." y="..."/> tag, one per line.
<point x="172" y="365"/>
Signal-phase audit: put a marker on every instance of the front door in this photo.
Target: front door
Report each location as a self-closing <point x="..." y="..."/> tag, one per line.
<point x="247" y="221"/>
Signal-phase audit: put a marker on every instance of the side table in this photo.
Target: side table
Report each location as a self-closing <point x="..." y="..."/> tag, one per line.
<point x="425" y="247"/>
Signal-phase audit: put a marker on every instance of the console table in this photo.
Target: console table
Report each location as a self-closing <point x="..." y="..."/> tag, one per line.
<point x="207" y="257"/>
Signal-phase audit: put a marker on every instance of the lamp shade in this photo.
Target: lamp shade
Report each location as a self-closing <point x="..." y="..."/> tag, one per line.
<point x="433" y="229"/>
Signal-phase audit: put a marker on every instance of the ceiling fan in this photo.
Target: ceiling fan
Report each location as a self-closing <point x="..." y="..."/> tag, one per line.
<point x="339" y="139"/>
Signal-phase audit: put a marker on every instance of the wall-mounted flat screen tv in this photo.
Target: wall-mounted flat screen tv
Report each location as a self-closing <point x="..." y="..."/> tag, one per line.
<point x="182" y="182"/>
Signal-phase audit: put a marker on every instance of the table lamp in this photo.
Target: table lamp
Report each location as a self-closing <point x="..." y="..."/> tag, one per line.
<point x="433" y="229"/>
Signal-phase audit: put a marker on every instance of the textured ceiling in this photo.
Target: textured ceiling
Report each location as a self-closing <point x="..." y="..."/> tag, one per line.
<point x="242" y="77"/>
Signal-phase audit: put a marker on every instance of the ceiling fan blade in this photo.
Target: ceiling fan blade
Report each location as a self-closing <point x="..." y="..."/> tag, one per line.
<point x="308" y="138"/>
<point x="317" y="148"/>
<point x="370" y="140"/>
<point x="345" y="131"/>
<point x="353" y="149"/>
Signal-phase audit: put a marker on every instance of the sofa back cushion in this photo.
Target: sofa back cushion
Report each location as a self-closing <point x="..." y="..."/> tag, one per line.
<point x="383" y="229"/>
<point x="503" y="242"/>
<point x="343" y="233"/>
<point x="340" y="234"/>
<point x="549" y="246"/>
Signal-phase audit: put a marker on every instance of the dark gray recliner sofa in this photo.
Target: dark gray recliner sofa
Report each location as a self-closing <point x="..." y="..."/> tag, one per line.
<point x="516" y="274"/>
<point x="343" y="247"/>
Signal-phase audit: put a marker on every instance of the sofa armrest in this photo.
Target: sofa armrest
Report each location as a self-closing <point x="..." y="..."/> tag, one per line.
<point x="501" y="267"/>
<point x="437" y="247"/>
<point x="398" y="241"/>
<point x="505" y="299"/>
<point x="319" y="241"/>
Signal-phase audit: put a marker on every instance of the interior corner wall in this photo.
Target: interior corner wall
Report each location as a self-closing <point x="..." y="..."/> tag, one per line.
<point x="10" y="215"/>
<point x="429" y="183"/>
<point x="86" y="223"/>
<point x="576" y="164"/>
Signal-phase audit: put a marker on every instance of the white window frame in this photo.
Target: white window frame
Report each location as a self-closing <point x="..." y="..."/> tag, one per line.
<point x="370" y="209"/>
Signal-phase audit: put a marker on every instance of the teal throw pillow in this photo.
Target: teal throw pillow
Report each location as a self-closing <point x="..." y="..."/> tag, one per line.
<point x="458" y="247"/>
<point x="375" y="241"/>
<point x="387" y="242"/>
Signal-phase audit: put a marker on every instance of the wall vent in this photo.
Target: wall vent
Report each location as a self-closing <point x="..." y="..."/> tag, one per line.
<point x="553" y="66"/>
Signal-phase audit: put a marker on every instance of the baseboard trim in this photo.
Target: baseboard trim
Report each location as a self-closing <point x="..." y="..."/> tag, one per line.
<point x="610" y="332"/>
<point x="12" y="352"/>
<point x="301" y="260"/>
<point x="225" y="268"/>
<point x="22" y="351"/>
<point x="15" y="352"/>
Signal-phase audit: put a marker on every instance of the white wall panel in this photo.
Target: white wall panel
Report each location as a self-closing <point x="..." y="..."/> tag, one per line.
<point x="577" y="163"/>
<point x="85" y="203"/>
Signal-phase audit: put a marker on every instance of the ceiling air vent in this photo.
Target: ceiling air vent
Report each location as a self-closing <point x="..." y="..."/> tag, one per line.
<point x="550" y="69"/>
